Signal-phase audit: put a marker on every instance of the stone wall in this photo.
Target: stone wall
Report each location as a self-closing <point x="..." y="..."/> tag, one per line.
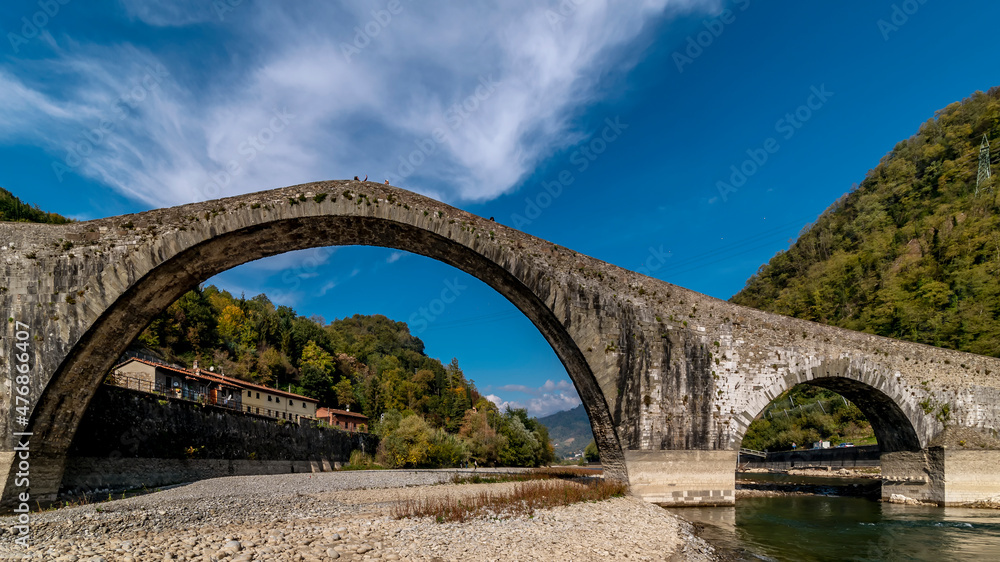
<point x="130" y="439"/>
<point x="837" y="457"/>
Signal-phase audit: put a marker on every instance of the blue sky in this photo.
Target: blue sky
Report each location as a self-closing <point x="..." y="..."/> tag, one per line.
<point x="688" y="139"/>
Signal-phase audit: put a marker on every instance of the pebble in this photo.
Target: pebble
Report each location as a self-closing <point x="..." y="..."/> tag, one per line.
<point x="344" y="515"/>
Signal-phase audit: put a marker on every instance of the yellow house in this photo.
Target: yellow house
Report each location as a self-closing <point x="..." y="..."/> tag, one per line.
<point x="271" y="402"/>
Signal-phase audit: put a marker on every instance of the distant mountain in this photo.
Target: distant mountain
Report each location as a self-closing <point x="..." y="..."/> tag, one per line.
<point x="13" y="209"/>
<point x="569" y="431"/>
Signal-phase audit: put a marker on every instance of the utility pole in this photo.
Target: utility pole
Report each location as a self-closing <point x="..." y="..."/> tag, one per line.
<point x="984" y="166"/>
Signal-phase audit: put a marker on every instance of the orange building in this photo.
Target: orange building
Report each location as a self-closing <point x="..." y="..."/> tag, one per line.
<point x="344" y="419"/>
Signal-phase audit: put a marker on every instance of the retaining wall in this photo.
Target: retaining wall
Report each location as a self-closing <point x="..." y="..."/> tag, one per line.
<point x="129" y="439"/>
<point x="846" y="457"/>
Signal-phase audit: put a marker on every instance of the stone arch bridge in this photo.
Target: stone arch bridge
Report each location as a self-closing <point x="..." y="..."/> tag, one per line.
<point x="670" y="378"/>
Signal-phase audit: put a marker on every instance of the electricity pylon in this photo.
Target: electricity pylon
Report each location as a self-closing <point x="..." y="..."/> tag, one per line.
<point x="984" y="165"/>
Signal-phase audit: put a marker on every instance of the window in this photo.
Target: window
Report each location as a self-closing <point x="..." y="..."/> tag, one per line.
<point x="258" y="396"/>
<point x="303" y="404"/>
<point x="277" y="399"/>
<point x="249" y="394"/>
<point x="258" y="410"/>
<point x="268" y="397"/>
<point x="290" y="403"/>
<point x="248" y="409"/>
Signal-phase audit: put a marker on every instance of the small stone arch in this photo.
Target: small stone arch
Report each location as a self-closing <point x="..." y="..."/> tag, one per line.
<point x="898" y="422"/>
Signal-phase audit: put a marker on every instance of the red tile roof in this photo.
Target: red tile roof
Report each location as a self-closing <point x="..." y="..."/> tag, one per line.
<point x="324" y="412"/>
<point x="208" y="375"/>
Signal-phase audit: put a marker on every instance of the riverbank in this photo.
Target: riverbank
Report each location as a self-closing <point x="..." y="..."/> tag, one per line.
<point x="763" y="483"/>
<point x="345" y="516"/>
<point x="863" y="472"/>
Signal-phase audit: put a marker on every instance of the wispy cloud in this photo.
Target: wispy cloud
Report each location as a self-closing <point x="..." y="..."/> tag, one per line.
<point x="539" y="407"/>
<point x="551" y="397"/>
<point x="286" y="105"/>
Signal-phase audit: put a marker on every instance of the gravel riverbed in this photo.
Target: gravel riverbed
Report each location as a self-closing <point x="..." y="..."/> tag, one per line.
<point x="343" y="516"/>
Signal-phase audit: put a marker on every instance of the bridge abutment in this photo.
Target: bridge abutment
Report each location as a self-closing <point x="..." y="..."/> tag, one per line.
<point x="943" y="476"/>
<point x="683" y="478"/>
<point x="915" y="475"/>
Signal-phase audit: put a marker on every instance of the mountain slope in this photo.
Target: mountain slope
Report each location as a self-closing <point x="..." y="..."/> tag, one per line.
<point x="912" y="253"/>
<point x="569" y="431"/>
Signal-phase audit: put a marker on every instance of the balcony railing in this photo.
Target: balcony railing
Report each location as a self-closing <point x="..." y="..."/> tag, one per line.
<point x="233" y="401"/>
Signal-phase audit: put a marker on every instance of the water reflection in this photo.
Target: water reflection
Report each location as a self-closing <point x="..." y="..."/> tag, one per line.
<point x="844" y="528"/>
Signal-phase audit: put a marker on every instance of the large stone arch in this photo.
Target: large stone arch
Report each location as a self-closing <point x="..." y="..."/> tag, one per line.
<point x="161" y="276"/>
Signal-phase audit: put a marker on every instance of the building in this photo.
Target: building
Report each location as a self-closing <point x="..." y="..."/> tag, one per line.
<point x="344" y="419"/>
<point x="271" y="402"/>
<point x="212" y="388"/>
<point x="176" y="382"/>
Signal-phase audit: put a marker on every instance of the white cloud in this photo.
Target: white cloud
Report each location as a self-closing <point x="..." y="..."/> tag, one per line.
<point x="552" y="403"/>
<point x="329" y="286"/>
<point x="501" y="403"/>
<point x="394" y="257"/>
<point x="518" y="388"/>
<point x="286" y="104"/>
<point x="549" y="386"/>
<point x="551" y="397"/>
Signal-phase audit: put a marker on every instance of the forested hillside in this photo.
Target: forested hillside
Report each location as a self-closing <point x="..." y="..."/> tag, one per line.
<point x="434" y="416"/>
<point x="13" y="209"/>
<point x="910" y="253"/>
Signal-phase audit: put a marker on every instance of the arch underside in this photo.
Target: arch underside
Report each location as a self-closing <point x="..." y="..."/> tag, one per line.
<point x="892" y="427"/>
<point x="74" y="383"/>
<point x="894" y="430"/>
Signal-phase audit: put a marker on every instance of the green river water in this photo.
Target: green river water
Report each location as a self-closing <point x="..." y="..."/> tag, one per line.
<point x="827" y="527"/>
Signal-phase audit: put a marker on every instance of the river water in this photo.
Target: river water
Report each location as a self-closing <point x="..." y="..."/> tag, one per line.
<point x="827" y="527"/>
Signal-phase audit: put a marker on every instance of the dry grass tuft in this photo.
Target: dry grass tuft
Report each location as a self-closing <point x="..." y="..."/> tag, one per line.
<point x="523" y="500"/>
<point x="537" y="474"/>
